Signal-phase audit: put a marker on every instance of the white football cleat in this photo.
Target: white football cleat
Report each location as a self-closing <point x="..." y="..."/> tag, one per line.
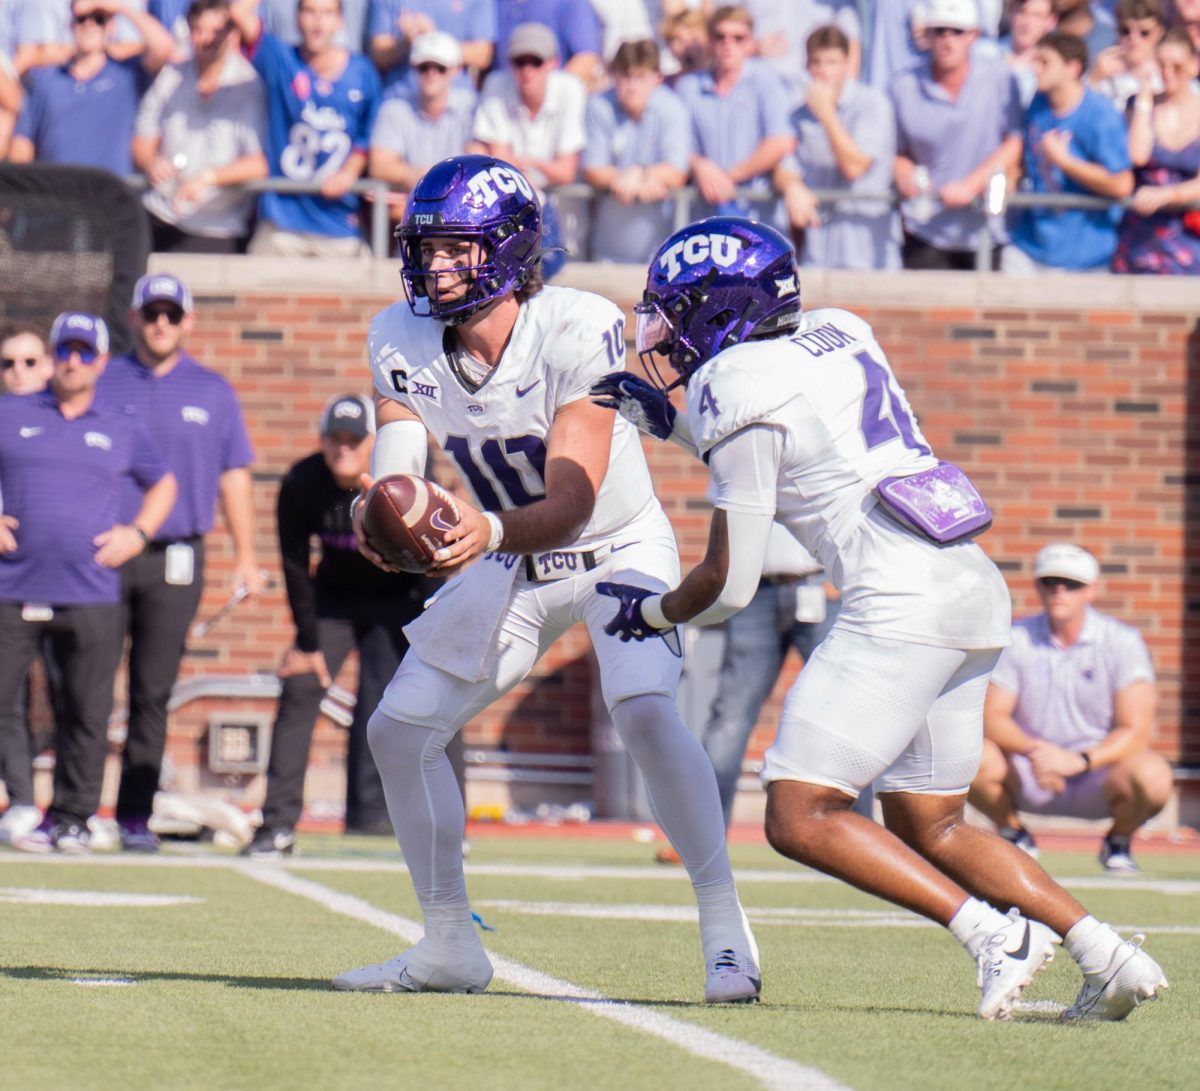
<point x="1130" y="977"/>
<point x="423" y="969"/>
<point x="1007" y="961"/>
<point x="18" y="821"/>
<point x="732" y="979"/>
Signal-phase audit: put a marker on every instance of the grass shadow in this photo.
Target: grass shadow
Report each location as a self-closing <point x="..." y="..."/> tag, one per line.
<point x="61" y="973"/>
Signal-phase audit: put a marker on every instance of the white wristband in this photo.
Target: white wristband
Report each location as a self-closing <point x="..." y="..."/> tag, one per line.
<point x="652" y="613"/>
<point x="497" y="534"/>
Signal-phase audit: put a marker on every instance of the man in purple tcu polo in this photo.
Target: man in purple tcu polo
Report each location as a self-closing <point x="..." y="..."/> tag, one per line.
<point x="1068" y="716"/>
<point x="194" y="416"/>
<point x="65" y="460"/>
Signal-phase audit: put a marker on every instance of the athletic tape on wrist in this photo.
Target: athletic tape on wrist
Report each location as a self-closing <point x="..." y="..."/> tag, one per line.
<point x="497" y="534"/>
<point x="652" y="612"/>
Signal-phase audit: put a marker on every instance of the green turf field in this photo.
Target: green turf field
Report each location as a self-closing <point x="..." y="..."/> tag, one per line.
<point x="196" y="969"/>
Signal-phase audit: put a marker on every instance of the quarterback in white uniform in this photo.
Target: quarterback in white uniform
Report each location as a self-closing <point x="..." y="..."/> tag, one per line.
<point x="803" y="423"/>
<point x="497" y="369"/>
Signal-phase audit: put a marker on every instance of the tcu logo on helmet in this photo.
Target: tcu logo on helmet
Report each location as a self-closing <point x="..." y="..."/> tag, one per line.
<point x="720" y="249"/>
<point x="485" y="184"/>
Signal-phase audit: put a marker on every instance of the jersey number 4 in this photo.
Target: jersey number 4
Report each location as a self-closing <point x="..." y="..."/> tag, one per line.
<point x="884" y="415"/>
<point x="514" y="467"/>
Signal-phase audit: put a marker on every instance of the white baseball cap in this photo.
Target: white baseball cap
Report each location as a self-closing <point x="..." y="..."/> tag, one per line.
<point x="435" y="46"/>
<point x="958" y="14"/>
<point x="1067" y="561"/>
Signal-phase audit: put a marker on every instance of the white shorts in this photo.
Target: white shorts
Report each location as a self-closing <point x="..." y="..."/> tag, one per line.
<point x="537" y="615"/>
<point x="908" y="717"/>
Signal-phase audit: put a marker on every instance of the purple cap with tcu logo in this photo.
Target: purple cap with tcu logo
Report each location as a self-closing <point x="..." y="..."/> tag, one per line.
<point x="161" y="288"/>
<point x="78" y="326"/>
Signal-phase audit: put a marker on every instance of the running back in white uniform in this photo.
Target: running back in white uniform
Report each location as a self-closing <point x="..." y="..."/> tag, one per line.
<point x="846" y="425"/>
<point x="563" y="341"/>
<point x="894" y="694"/>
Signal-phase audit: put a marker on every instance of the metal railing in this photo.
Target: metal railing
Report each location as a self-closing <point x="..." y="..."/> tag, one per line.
<point x="681" y="200"/>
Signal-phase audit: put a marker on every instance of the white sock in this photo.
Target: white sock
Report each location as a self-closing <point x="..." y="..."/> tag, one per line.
<point x="723" y="922"/>
<point x="973" y="917"/>
<point x="1091" y="943"/>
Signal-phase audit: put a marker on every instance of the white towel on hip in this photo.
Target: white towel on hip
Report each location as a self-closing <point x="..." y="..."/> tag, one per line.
<point x="457" y="632"/>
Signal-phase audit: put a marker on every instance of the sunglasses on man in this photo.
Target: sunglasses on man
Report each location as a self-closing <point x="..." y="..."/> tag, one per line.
<point x="64" y="352"/>
<point x="9" y="362"/>
<point x="527" y="62"/>
<point x="151" y="313"/>
<point x="1050" y="583"/>
<point x="100" y="18"/>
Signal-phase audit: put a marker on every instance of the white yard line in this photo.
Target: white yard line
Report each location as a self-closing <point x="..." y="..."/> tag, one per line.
<point x="92" y="899"/>
<point x="784" y="916"/>
<point x="567" y="873"/>
<point x="771" y="1071"/>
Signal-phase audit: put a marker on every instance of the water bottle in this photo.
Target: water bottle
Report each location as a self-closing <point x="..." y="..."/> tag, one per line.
<point x="168" y="187"/>
<point x="920" y="207"/>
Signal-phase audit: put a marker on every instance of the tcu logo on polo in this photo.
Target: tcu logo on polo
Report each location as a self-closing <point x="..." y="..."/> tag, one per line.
<point x="485" y="184"/>
<point x="721" y="249"/>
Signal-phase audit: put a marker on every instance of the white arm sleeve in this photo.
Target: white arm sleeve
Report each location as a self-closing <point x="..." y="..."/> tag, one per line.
<point x="744" y="469"/>
<point x="401" y="447"/>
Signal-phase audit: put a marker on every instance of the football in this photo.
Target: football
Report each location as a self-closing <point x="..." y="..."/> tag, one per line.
<point x="404" y="519"/>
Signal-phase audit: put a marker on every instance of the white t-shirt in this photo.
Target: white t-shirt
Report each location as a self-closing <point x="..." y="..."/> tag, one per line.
<point x="556" y="129"/>
<point x="844" y="425"/>
<point x="564" y="340"/>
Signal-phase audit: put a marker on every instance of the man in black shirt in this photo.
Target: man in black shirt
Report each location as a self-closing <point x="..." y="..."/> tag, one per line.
<point x="347" y="603"/>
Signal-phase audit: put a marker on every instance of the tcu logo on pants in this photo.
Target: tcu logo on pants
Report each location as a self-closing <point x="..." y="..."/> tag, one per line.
<point x="721" y="249"/>
<point x="485" y="184"/>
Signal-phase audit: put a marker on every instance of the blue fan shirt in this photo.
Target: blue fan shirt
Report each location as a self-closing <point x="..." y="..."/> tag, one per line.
<point x="313" y="126"/>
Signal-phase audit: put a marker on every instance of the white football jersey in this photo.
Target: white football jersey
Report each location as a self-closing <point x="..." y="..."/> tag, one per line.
<point x="563" y="341"/>
<point x="846" y="425"/>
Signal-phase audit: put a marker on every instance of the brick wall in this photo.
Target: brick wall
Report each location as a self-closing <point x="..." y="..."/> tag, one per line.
<point x="1068" y="399"/>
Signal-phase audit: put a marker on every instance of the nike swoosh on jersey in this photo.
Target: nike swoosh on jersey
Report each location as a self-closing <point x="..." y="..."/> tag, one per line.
<point x="521" y="393"/>
<point x="27" y="432"/>
<point x="1022" y="952"/>
<point x="624" y="545"/>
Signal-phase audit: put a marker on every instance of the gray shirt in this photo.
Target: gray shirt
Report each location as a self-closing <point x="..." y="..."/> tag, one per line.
<point x="202" y="132"/>
<point x="853" y="234"/>
<point x="727" y="128"/>
<point x="631" y="233"/>
<point x="795" y="20"/>
<point x="1067" y="695"/>
<point x="951" y="137"/>
<point x="420" y="140"/>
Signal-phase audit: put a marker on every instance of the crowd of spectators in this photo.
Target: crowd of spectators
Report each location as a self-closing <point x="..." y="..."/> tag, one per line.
<point x="880" y="134"/>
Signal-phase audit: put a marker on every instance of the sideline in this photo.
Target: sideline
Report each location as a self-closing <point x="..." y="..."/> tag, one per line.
<point x="776" y="1073"/>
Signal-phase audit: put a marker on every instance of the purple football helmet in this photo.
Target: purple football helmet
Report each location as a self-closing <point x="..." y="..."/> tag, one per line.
<point x="714" y="284"/>
<point x="482" y="200"/>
